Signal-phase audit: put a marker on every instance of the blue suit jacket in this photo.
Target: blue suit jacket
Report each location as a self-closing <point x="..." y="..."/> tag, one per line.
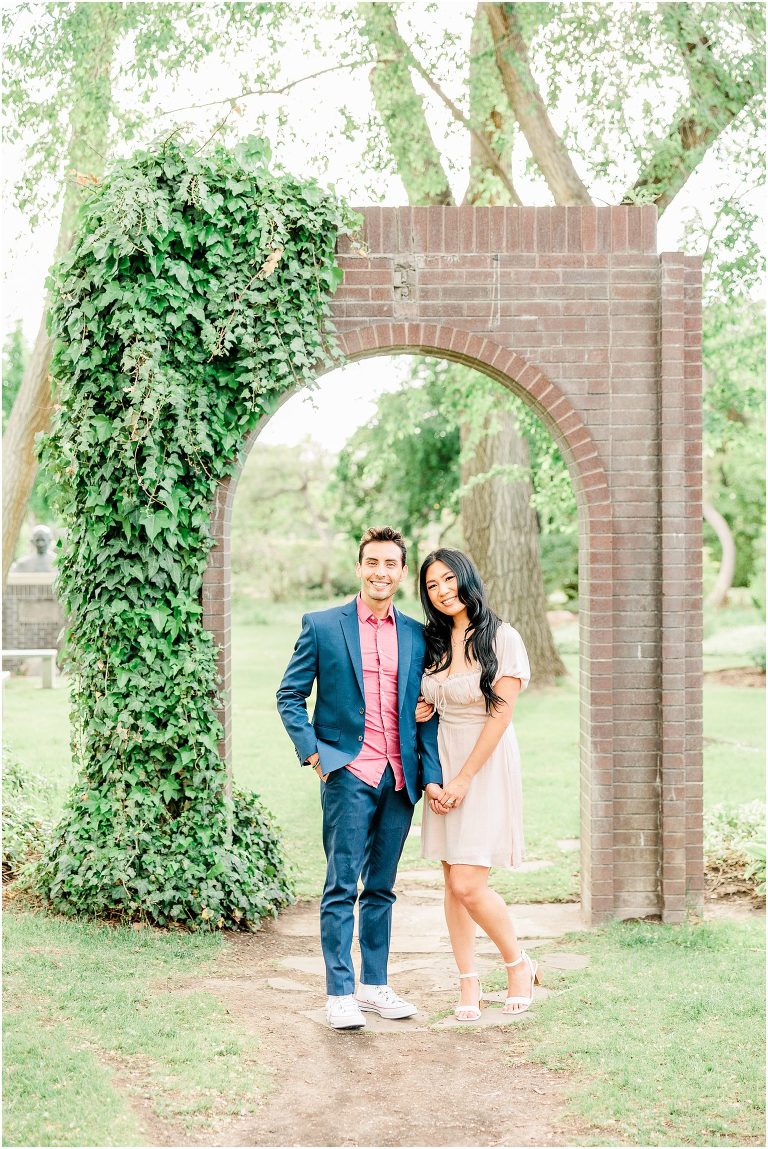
<point x="328" y="651"/>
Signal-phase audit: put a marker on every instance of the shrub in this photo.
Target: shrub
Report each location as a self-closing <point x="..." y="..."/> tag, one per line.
<point x="25" y="830"/>
<point x="756" y="868"/>
<point x="734" y="849"/>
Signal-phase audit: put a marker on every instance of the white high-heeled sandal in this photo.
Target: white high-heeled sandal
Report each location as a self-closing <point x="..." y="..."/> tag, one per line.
<point x="473" y="1010"/>
<point x="525" y="1002"/>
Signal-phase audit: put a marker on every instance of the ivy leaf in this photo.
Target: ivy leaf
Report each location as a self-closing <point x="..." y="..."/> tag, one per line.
<point x="158" y="617"/>
<point x="181" y="271"/>
<point x="178" y="383"/>
<point x="103" y="427"/>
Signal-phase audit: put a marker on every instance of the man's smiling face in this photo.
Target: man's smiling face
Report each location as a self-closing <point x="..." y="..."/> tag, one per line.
<point x="380" y="572"/>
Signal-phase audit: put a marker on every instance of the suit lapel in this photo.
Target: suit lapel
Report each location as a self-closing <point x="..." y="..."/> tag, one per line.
<point x="404" y="641"/>
<point x="350" y="626"/>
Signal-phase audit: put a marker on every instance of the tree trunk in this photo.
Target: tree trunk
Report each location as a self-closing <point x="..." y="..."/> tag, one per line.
<point x="30" y="414"/>
<point x="501" y="535"/>
<point x="548" y="150"/>
<point x="89" y="134"/>
<point x="718" y="596"/>
<point x="402" y="110"/>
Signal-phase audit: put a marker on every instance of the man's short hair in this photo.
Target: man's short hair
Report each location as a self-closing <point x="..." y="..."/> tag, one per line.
<point x="382" y="535"/>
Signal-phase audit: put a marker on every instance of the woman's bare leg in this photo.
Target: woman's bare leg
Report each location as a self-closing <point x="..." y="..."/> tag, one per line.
<point x="469" y="887"/>
<point x="461" y="930"/>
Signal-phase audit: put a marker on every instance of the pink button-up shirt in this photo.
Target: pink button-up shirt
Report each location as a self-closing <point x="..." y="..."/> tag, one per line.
<point x="381" y="741"/>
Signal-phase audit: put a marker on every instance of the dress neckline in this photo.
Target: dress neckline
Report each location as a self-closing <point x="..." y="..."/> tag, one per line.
<point x="448" y="677"/>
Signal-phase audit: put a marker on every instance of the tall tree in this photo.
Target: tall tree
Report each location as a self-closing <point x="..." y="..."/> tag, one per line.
<point x="499" y="524"/>
<point x="499" y="521"/>
<point x="72" y="53"/>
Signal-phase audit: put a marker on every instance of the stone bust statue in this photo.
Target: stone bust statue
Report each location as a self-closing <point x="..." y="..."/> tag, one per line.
<point x="41" y="557"/>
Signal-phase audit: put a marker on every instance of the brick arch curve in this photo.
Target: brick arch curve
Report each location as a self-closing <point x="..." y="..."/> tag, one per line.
<point x="517" y="374"/>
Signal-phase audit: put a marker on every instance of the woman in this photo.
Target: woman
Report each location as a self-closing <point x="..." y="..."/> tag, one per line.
<point x="476" y="667"/>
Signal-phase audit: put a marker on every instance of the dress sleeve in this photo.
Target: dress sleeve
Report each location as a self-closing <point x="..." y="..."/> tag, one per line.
<point x="512" y="655"/>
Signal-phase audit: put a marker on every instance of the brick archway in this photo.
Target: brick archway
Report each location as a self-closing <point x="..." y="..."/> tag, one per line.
<point x="573" y="310"/>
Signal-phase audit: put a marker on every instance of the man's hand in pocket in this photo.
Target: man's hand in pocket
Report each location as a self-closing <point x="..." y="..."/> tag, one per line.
<point x="319" y="771"/>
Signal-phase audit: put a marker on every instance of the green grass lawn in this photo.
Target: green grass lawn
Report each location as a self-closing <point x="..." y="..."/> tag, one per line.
<point x="83" y="1002"/>
<point x="665" y="1029"/>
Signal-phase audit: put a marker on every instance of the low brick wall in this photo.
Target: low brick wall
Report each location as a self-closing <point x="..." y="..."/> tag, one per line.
<point x="32" y="615"/>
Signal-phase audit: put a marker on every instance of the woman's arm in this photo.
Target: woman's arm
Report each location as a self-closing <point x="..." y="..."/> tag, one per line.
<point x="495" y="724"/>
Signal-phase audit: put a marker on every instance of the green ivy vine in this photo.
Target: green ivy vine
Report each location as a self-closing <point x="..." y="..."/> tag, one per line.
<point x="196" y="294"/>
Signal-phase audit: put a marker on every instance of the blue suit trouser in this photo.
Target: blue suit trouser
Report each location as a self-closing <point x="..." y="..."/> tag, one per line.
<point x="364" y="831"/>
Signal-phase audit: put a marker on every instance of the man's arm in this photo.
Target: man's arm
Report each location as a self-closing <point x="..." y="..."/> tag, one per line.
<point x="429" y="760"/>
<point x="295" y="689"/>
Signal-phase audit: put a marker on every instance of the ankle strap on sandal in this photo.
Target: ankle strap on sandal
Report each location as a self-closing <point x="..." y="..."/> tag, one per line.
<point x="463" y="975"/>
<point x="512" y="964"/>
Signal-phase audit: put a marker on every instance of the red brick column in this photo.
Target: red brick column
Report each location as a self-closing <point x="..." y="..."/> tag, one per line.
<point x="672" y="418"/>
<point x="693" y="595"/>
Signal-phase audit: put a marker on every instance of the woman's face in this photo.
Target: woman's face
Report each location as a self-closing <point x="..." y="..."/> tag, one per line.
<point x="442" y="588"/>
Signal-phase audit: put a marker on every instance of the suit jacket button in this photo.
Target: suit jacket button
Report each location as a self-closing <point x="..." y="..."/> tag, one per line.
<point x="362" y="710"/>
<point x="359" y="738"/>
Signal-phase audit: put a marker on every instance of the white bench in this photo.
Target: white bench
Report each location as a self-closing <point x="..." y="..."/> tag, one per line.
<point x="47" y="657"/>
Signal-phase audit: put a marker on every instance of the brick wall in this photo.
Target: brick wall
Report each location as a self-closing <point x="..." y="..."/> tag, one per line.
<point x="573" y="310"/>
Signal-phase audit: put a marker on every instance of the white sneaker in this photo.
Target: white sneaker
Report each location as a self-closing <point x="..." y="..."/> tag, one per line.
<point x="383" y="1000"/>
<point x="343" y="1013"/>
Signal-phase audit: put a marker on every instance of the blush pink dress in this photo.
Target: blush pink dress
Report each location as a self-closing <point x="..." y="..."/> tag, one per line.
<point x="487" y="829"/>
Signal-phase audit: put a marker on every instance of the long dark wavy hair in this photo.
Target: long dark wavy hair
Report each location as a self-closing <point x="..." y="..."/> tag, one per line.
<point x="483" y="623"/>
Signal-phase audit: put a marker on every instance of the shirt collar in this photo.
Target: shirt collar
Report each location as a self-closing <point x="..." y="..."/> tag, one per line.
<point x="365" y="614"/>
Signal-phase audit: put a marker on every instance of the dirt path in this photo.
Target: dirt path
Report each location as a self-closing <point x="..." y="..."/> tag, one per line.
<point x="424" y="1081"/>
<point x="389" y="1086"/>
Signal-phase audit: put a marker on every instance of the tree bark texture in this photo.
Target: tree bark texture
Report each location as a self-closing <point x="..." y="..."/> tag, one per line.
<point x="501" y="535"/>
<point x="91" y="104"/>
<point x="525" y="99"/>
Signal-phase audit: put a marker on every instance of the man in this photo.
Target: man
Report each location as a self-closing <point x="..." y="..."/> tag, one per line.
<point x="373" y="761"/>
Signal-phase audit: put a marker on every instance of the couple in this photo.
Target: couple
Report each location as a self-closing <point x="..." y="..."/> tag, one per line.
<point x="383" y="683"/>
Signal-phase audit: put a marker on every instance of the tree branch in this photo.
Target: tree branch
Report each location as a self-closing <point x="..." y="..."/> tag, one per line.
<point x="715" y="100"/>
<point x="479" y="138"/>
<point x="268" y="91"/>
<point x="525" y="99"/>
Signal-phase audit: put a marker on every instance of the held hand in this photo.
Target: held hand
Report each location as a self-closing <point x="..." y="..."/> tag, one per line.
<point x="433" y="794"/>
<point x="454" y="793"/>
<point x="424" y="710"/>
